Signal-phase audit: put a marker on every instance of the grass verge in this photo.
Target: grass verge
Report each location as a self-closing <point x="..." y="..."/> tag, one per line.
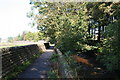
<point x="54" y="72"/>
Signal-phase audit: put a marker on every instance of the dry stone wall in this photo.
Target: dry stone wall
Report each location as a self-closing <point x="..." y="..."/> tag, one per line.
<point x="14" y="56"/>
<point x="64" y="68"/>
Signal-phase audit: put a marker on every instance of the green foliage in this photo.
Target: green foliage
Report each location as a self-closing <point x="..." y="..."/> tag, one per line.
<point x="69" y="59"/>
<point x="54" y="58"/>
<point x="64" y="23"/>
<point x="52" y="74"/>
<point x="19" y="38"/>
<point x="110" y="55"/>
<point x="86" y="48"/>
<point x="10" y="39"/>
<point x="30" y="36"/>
<point x="99" y="16"/>
<point x="72" y="63"/>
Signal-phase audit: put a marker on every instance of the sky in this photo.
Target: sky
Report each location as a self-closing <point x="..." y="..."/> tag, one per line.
<point x="13" y="19"/>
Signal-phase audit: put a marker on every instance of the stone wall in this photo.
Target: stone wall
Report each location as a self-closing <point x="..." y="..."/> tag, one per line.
<point x="15" y="56"/>
<point x="64" y="68"/>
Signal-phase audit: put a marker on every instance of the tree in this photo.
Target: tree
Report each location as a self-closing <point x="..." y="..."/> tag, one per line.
<point x="0" y="39"/>
<point x="111" y="56"/>
<point x="19" y="38"/>
<point x="10" y="39"/>
<point x="63" y="23"/>
<point x="66" y="25"/>
<point x="29" y="36"/>
<point x="99" y="16"/>
<point x="108" y="19"/>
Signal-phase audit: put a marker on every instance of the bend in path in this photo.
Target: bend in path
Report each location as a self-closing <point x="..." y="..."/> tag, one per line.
<point x="40" y="67"/>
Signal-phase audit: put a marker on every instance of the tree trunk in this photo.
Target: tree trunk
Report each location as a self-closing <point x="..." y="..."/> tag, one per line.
<point x="89" y="30"/>
<point x="99" y="32"/>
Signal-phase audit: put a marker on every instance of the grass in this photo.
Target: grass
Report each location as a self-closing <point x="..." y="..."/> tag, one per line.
<point x="53" y="73"/>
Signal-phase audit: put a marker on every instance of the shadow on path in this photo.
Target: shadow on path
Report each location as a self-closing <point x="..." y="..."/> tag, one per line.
<point x="40" y="67"/>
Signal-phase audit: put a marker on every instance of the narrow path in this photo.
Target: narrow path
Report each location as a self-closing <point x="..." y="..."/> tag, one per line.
<point x="40" y="67"/>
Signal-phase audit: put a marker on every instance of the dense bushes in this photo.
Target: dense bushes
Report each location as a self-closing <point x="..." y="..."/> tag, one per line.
<point x="110" y="56"/>
<point x="105" y="17"/>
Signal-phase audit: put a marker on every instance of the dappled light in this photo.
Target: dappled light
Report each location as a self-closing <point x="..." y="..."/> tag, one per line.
<point x="73" y="40"/>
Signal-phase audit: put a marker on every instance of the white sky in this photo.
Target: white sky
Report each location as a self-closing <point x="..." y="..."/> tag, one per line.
<point x="13" y="19"/>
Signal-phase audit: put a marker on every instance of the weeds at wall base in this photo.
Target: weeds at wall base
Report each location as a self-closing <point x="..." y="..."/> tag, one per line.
<point x="21" y="68"/>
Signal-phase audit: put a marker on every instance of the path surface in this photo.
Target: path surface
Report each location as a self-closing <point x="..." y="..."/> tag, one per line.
<point x="40" y="67"/>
